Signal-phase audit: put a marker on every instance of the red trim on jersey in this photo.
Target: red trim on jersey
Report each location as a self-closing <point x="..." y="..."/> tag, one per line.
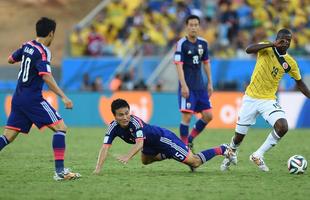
<point x="12" y="128"/>
<point x="206" y="61"/>
<point x="40" y="49"/>
<point x="186" y="111"/>
<point x="55" y="123"/>
<point x="43" y="73"/>
<point x="11" y="58"/>
<point x="178" y="62"/>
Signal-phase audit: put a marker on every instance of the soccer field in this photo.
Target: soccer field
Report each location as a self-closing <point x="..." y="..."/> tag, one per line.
<point x="26" y="170"/>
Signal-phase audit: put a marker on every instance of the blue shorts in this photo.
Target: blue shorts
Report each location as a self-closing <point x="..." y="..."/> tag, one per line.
<point x="23" y="116"/>
<point x="169" y="145"/>
<point x="197" y="101"/>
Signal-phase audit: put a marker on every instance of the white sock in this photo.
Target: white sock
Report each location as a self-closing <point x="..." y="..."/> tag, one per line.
<point x="233" y="145"/>
<point x="271" y="141"/>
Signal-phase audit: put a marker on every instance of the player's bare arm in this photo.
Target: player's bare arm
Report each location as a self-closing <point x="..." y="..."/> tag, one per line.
<point x="254" y="48"/>
<point x="50" y="81"/>
<point x="207" y="69"/>
<point x="303" y="88"/>
<point x="133" y="151"/>
<point x="184" y="87"/>
<point x="101" y="158"/>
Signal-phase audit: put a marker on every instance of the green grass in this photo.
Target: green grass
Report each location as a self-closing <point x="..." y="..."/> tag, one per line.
<point x="26" y="170"/>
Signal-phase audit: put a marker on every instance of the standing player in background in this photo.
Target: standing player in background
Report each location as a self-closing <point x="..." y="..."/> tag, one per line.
<point x="28" y="106"/>
<point x="156" y="143"/>
<point x="272" y="63"/>
<point x="193" y="96"/>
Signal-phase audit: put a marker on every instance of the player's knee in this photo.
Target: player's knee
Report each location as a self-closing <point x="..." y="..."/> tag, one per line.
<point x="281" y="127"/>
<point x="207" y="117"/>
<point x="145" y="161"/>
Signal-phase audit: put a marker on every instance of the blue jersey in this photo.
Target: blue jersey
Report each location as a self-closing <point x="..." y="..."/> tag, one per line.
<point x="35" y="61"/>
<point x="191" y="55"/>
<point x="137" y="129"/>
<point x="157" y="140"/>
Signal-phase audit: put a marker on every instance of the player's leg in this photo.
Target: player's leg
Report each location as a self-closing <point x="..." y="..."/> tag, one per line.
<point x="44" y="115"/>
<point x="246" y="117"/>
<point x="275" y="116"/>
<point x="184" y="126"/>
<point x="8" y="137"/>
<point x="195" y="160"/>
<point x="202" y="106"/>
<point x="186" y="107"/>
<point x="17" y="122"/>
<point x="148" y="159"/>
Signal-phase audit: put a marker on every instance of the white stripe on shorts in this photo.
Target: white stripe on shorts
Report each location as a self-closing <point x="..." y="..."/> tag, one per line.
<point x="49" y="111"/>
<point x="173" y="145"/>
<point x="183" y="103"/>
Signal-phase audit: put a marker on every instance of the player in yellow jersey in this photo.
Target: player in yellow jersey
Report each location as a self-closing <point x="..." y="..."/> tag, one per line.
<point x="260" y="96"/>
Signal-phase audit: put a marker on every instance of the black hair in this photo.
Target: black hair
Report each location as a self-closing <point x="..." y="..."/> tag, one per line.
<point x="119" y="103"/>
<point x="283" y="32"/>
<point x="44" y="26"/>
<point x="192" y="17"/>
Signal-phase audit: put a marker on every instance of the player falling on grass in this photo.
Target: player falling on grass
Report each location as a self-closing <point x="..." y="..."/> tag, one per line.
<point x="193" y="95"/>
<point x="155" y="142"/>
<point x="28" y="106"/>
<point x="260" y="96"/>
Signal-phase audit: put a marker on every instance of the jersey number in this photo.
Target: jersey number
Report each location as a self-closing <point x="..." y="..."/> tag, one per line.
<point x="178" y="155"/>
<point x="24" y="69"/>
<point x="195" y="59"/>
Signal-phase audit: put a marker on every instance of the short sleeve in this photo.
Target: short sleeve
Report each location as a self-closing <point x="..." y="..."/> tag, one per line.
<point x="43" y="67"/>
<point x="17" y="55"/>
<point x="205" y="55"/>
<point x="110" y="135"/>
<point x="179" y="55"/>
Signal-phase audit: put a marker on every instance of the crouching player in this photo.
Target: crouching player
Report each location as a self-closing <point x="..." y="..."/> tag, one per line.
<point x="155" y="142"/>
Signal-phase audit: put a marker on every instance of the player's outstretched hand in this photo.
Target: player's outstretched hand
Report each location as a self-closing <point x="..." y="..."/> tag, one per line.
<point x="123" y="159"/>
<point x="68" y="103"/>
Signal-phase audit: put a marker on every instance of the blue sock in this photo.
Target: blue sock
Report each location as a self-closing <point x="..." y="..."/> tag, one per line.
<point x="198" y="127"/>
<point x="3" y="142"/>
<point x="184" y="132"/>
<point x="210" y="153"/>
<point x="59" y="146"/>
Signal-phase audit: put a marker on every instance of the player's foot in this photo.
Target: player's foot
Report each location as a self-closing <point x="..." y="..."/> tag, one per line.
<point x="259" y="161"/>
<point x="66" y="174"/>
<point x="231" y="158"/>
<point x="191" y="147"/>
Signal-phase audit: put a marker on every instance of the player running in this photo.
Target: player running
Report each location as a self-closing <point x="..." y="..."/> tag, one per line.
<point x="193" y="95"/>
<point x="28" y="106"/>
<point x="155" y="142"/>
<point x="273" y="62"/>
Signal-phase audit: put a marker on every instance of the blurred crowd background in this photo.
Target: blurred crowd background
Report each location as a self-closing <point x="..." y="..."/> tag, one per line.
<point x="228" y="25"/>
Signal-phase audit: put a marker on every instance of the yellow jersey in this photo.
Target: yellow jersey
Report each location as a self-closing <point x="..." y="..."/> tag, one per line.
<point x="269" y="69"/>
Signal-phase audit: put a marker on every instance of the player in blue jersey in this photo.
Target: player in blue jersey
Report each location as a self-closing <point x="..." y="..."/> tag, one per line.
<point x="155" y="142"/>
<point x="191" y="52"/>
<point x="28" y="105"/>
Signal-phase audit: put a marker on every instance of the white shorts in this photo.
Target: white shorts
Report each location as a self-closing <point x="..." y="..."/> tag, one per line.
<point x="270" y="110"/>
